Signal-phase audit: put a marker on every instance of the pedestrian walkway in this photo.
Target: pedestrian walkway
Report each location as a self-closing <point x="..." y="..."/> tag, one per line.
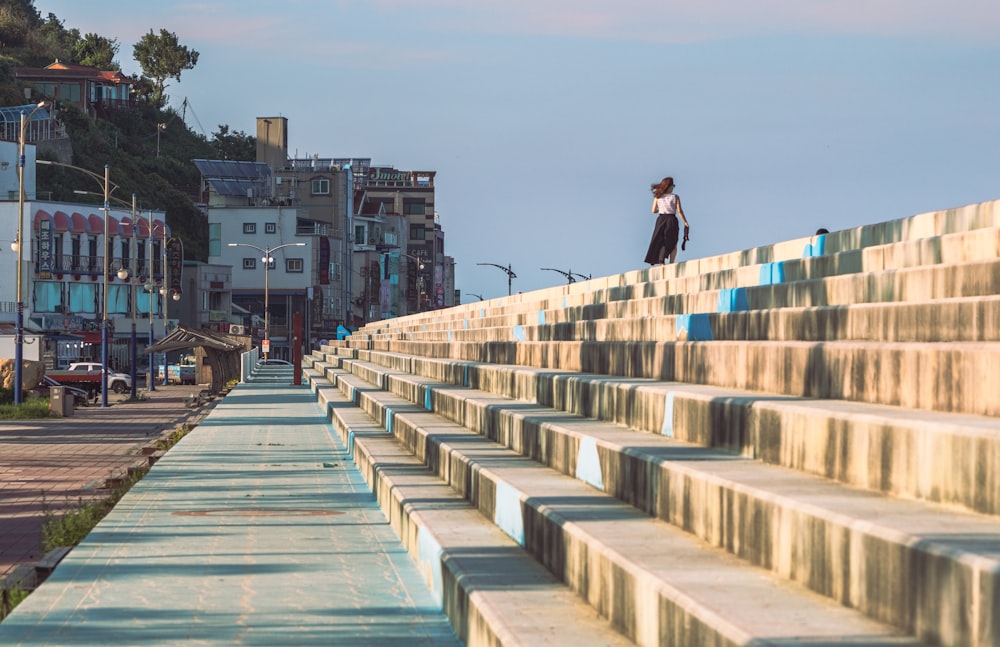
<point x="255" y="529"/>
<point x="56" y="463"/>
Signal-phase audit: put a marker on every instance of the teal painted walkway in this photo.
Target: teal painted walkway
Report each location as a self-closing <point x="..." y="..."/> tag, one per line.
<point x="256" y="529"/>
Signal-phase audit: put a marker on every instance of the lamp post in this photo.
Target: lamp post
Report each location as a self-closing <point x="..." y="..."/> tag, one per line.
<point x="473" y="294"/>
<point x="165" y="292"/>
<point x="570" y="275"/>
<point x="123" y="274"/>
<point x="510" y="274"/>
<point x="104" y="313"/>
<point x="19" y="322"/>
<point x="133" y="344"/>
<point x="268" y="259"/>
<point x="420" y="278"/>
<point x="150" y="377"/>
<point x="108" y="188"/>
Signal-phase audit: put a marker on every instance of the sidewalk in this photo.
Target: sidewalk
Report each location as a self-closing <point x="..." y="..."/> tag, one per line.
<point x="255" y="529"/>
<point x="68" y="459"/>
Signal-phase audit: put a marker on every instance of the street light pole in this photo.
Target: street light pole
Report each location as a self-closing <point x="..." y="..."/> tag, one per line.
<point x="420" y="279"/>
<point x="568" y="275"/>
<point x="108" y="187"/>
<point x="19" y="322"/>
<point x="510" y="274"/>
<point x="150" y="376"/>
<point x="268" y="259"/>
<point x="133" y="343"/>
<point x="104" y="311"/>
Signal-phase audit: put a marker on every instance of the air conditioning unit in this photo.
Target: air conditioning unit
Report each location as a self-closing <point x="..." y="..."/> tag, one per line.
<point x="236" y="329"/>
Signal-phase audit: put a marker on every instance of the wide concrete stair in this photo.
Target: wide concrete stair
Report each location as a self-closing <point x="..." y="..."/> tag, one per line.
<point x="795" y="444"/>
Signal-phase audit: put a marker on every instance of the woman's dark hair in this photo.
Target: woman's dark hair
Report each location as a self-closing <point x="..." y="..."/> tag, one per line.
<point x="663" y="187"/>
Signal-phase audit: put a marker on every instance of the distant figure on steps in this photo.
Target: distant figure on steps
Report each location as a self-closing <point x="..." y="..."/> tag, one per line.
<point x="667" y="206"/>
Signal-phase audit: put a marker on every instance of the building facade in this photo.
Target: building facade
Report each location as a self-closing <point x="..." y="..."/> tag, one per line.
<point x="91" y="90"/>
<point x="279" y="257"/>
<point x="67" y="296"/>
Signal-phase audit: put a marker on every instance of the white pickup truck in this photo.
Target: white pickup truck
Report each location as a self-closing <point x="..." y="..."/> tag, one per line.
<point x="87" y="375"/>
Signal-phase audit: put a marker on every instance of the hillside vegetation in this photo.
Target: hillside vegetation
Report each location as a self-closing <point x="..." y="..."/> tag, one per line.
<point x="157" y="169"/>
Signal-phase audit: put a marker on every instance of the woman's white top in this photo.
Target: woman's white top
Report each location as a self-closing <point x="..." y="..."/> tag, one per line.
<point x="667" y="204"/>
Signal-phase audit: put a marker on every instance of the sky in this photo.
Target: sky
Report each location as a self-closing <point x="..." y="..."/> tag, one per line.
<point x="547" y="120"/>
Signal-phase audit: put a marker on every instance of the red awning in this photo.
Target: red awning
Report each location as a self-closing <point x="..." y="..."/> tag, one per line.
<point x="125" y="226"/>
<point x="78" y="223"/>
<point x="91" y="337"/>
<point x="40" y="216"/>
<point x="142" y="227"/>
<point x="61" y="221"/>
<point x="95" y="224"/>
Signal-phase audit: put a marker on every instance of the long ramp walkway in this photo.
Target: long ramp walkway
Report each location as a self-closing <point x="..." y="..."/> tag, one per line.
<point x="255" y="529"/>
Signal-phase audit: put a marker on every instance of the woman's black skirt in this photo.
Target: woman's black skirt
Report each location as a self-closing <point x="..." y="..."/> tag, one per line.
<point x="664" y="238"/>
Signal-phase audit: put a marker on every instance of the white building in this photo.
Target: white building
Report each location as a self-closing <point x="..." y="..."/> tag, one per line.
<point x="242" y="226"/>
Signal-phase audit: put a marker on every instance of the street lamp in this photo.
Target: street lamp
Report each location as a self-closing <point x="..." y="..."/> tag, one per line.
<point x="268" y="259"/>
<point x="150" y="287"/>
<point x="510" y="274"/>
<point x="165" y="292"/>
<point x="473" y="294"/>
<point x="108" y="188"/>
<point x="570" y="275"/>
<point x="18" y="247"/>
<point x="420" y="278"/>
<point x="123" y="274"/>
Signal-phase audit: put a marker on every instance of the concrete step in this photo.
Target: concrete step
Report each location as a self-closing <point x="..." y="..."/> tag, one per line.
<point x="656" y="583"/>
<point x="780" y="511"/>
<point x="940" y="458"/>
<point x="959" y="319"/>
<point x="491" y="590"/>
<point x="896" y="374"/>
<point x="924" y="286"/>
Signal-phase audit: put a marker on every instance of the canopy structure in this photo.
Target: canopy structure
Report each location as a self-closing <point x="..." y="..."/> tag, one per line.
<point x="222" y="354"/>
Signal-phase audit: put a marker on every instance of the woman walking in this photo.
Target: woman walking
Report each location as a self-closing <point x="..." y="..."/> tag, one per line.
<point x="667" y="204"/>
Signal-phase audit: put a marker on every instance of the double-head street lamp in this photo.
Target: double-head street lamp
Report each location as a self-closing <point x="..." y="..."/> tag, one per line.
<point x="268" y="259"/>
<point x="108" y="187"/>
<point x="151" y="290"/>
<point x="510" y="274"/>
<point x="570" y="275"/>
<point x="420" y="278"/>
<point x="18" y="247"/>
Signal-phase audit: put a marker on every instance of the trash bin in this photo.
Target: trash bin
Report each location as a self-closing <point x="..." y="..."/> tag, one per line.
<point x="60" y="404"/>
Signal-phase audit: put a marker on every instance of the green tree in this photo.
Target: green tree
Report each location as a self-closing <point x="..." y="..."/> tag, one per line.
<point x="162" y="57"/>
<point x="236" y="145"/>
<point x="97" y="51"/>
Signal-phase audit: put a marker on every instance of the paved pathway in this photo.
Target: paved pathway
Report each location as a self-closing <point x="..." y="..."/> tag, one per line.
<point x="254" y="529"/>
<point x="55" y="462"/>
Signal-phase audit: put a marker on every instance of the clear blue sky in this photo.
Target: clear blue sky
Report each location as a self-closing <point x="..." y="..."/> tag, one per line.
<point x="547" y="120"/>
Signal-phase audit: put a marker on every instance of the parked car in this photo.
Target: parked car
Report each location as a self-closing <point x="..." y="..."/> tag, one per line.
<point x="87" y="375"/>
<point x="273" y="362"/>
<point x="80" y="398"/>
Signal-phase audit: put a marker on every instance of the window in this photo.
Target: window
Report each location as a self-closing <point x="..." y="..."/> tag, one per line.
<point x="359" y="235"/>
<point x="414" y="207"/>
<point x="321" y="186"/>
<point x="270" y="227"/>
<point x="250" y="263"/>
<point x="215" y="239"/>
<point x="417" y="232"/>
<point x="69" y="92"/>
<point x="293" y="265"/>
<point x="249" y="228"/>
